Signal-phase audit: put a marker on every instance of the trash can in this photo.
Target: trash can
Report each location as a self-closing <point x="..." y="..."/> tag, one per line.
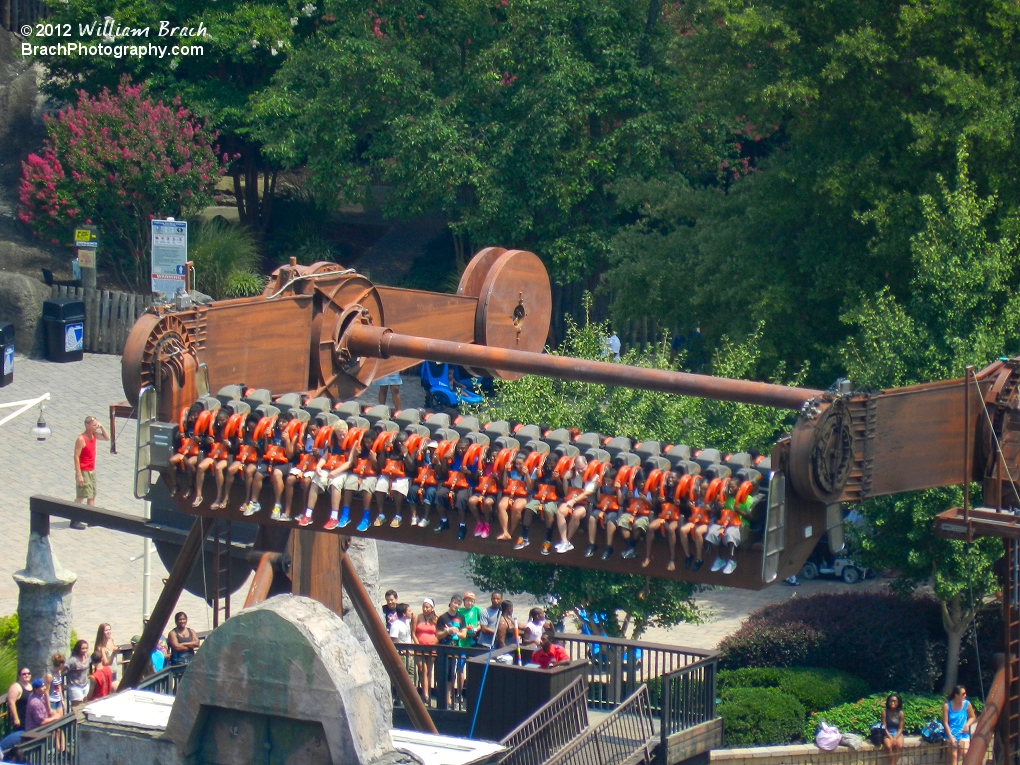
<point x="64" y="318"/>
<point x="7" y="353"/>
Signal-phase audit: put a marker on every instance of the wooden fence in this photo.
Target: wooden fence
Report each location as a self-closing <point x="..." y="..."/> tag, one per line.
<point x="14" y="14"/>
<point x="109" y="316"/>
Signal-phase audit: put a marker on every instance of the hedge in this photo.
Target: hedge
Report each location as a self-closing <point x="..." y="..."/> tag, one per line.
<point x="886" y="640"/>
<point x="760" y="717"/>
<point x="860" y="716"/>
<point x="816" y="689"/>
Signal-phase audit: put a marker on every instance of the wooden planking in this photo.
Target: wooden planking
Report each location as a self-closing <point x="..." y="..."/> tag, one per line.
<point x="109" y="316"/>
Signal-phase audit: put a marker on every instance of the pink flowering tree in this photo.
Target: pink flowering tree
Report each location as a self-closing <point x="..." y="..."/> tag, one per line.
<point x="117" y="160"/>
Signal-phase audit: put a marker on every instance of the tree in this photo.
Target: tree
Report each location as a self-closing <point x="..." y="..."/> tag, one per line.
<point x="510" y="118"/>
<point x="118" y="160"/>
<point x="644" y="415"/>
<point x="242" y="43"/>
<point x="961" y="311"/>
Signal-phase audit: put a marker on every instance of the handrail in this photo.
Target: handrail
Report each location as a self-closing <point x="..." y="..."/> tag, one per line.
<point x="552" y="726"/>
<point x="5" y="719"/>
<point x="165" y="681"/>
<point x="625" y="737"/>
<point x="55" y="743"/>
<point x="688" y="699"/>
<point x="701" y="653"/>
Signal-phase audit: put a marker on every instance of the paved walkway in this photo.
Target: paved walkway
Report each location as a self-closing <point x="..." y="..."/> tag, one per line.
<point x="109" y="586"/>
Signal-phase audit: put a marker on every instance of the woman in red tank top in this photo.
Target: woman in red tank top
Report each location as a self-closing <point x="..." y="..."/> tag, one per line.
<point x="423" y="632"/>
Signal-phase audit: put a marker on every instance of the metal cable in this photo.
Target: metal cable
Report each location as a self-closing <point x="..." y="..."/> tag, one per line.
<point x="280" y="291"/>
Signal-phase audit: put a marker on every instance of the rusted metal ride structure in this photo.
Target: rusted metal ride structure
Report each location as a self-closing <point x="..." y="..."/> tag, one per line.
<point x="323" y="330"/>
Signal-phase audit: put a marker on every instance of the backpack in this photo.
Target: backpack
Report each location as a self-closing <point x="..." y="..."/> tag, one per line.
<point x="933" y="731"/>
<point x="877" y="735"/>
<point x="828" y="737"/>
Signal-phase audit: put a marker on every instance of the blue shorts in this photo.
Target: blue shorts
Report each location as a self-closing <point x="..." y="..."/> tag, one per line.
<point x="393" y="379"/>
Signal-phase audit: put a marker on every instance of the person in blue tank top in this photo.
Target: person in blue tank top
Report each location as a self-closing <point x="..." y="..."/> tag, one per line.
<point x="958" y="717"/>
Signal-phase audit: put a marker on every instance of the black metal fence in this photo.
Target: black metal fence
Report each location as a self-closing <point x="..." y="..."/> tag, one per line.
<point x="688" y="698"/>
<point x="443" y="668"/>
<point x="165" y="681"/>
<point x="554" y="725"/>
<point x="53" y="744"/>
<point x="625" y="737"/>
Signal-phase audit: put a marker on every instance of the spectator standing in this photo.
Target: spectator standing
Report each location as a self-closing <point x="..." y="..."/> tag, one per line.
<point x="488" y="620"/>
<point x="85" y="463"/>
<point x="613" y="343"/>
<point x="78" y="674"/>
<point x="449" y="631"/>
<point x="533" y="628"/>
<point x="400" y="629"/>
<point x="423" y="632"/>
<point x="150" y="668"/>
<point x="389" y="609"/>
<point x="106" y="644"/>
<point x="471" y="614"/>
<point x="17" y="698"/>
<point x="183" y="641"/>
<point x="549" y="654"/>
<point x="392" y="384"/>
<point x="506" y="627"/>
<point x="101" y="682"/>
<point x="55" y="683"/>
<point x="892" y="723"/>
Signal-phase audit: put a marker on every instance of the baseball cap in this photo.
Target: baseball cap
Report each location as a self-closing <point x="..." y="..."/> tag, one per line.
<point x="136" y="640"/>
<point x="37" y="683"/>
<point x="432" y="445"/>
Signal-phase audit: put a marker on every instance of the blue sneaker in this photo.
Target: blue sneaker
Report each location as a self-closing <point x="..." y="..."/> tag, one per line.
<point x="366" y="521"/>
<point x="345" y="517"/>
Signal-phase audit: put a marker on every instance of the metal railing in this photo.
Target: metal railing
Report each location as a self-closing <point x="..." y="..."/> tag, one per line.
<point x="447" y="661"/>
<point x="55" y="743"/>
<point x="554" y="725"/>
<point x="625" y="737"/>
<point x="619" y="667"/>
<point x="165" y="681"/>
<point x="6" y="726"/>
<point x="688" y="699"/>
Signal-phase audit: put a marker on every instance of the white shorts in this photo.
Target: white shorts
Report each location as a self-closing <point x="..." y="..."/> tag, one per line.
<point x="320" y="479"/>
<point x="730" y="535"/>
<point x="337" y="482"/>
<point x="401" y="486"/>
<point x="359" y="483"/>
<point x="77" y="692"/>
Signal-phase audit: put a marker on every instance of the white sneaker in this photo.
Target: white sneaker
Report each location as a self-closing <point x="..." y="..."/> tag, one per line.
<point x="423" y="523"/>
<point x="379" y="520"/>
<point x="251" y="508"/>
<point x="730" y="567"/>
<point x="718" y="565"/>
<point x="564" y="547"/>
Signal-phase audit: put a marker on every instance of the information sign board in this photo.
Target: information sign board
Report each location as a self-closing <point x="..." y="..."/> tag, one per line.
<point x="169" y="255"/>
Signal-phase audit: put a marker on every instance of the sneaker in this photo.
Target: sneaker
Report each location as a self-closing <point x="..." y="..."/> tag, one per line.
<point x="345" y="517"/>
<point x="564" y="547"/>
<point x="285" y="518"/>
<point x="479" y="527"/>
<point x="718" y="564"/>
<point x="379" y="520"/>
<point x="423" y="523"/>
<point x="730" y="567"/>
<point x="629" y="553"/>
<point x="547" y="547"/>
<point x="79" y="525"/>
<point x="366" y="521"/>
<point x="590" y="550"/>
<point x="689" y="561"/>
<point x="331" y="524"/>
<point x="521" y="543"/>
<point x="485" y="531"/>
<point x="697" y="564"/>
<point x="395" y="523"/>
<point x="306" y="520"/>
<point x="607" y="553"/>
<point x="251" y="508"/>
<point x="277" y="514"/>
<point x="443" y="525"/>
<point x="461" y="531"/>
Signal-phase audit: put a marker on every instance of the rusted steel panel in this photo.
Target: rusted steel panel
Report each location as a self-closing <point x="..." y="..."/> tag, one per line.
<point x="315" y="568"/>
<point x="263" y="344"/>
<point x="918" y="439"/>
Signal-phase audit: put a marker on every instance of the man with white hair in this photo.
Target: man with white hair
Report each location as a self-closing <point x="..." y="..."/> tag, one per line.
<point x="574" y="508"/>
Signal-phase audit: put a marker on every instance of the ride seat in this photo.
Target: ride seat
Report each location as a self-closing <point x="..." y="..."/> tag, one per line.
<point x="677" y="452"/>
<point x="302" y="415"/>
<point x="408" y="416"/>
<point x="653" y="448"/>
<point x="376" y="413"/>
<point x="655" y="462"/>
<point x="629" y="458"/>
<point x="415" y="427"/>
<point x="707" y="457"/>
<point x="717" y="471"/>
<point x="507" y="442"/>
<point x="589" y="439"/>
<point x="388" y="426"/>
<point x="437" y="421"/>
<point x="567" y="450"/>
<point x="346" y="408"/>
<point x="598" y="454"/>
<point x="617" y="445"/>
<point x="331" y="419"/>
<point x="258" y="396"/>
<point x="765" y="466"/>
<point x="211" y="403"/>
<point x="238" y="407"/>
<point x="498" y="428"/>
<point x="557" y="436"/>
<point x="289" y="400"/>
<point x="537" y="446"/>
<point x="356" y="421"/>
<point x="267" y="410"/>
<point x="739" y="460"/>
<point x="748" y="474"/>
<point x="477" y="437"/>
<point x="446" y="434"/>
<point x="229" y="393"/>
<point x="466" y="424"/>
<point x="528" y="432"/>
<point x="686" y="467"/>
<point x="320" y="404"/>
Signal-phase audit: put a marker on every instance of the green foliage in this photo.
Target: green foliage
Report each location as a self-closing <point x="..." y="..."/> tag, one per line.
<point x="221" y="251"/>
<point x="816" y="689"/>
<point x="886" y="640"/>
<point x="760" y="717"/>
<point x="861" y="715"/>
<point x="9" y="631"/>
<point x="511" y="118"/>
<point x="244" y="284"/>
<point x="8" y="669"/>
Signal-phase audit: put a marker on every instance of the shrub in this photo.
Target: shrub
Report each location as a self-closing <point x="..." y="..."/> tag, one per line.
<point x="860" y="716"/>
<point x="9" y="631"/>
<point x="816" y="689"/>
<point x="760" y="717"/>
<point x="888" y="641"/>
<point x="220" y="250"/>
<point x="118" y="160"/>
<point x="8" y="668"/>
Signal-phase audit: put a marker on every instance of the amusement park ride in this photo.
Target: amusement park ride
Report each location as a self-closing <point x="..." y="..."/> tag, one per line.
<point x="326" y="333"/>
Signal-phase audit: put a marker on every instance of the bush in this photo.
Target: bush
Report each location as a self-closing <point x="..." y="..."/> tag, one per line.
<point x="9" y="631"/>
<point x="8" y="668"/>
<point x="888" y="641"/>
<point x="119" y="160"/>
<point x="222" y="253"/>
<point x="760" y="717"/>
<point x="816" y="689"/>
<point x="860" y="716"/>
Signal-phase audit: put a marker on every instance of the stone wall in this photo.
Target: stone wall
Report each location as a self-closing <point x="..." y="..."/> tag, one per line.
<point x="915" y="752"/>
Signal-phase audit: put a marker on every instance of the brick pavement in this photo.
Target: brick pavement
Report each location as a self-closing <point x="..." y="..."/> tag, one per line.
<point x="109" y="583"/>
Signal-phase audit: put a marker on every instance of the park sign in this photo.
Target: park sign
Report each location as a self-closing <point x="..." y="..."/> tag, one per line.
<point x="86" y="242"/>
<point x="169" y="256"/>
